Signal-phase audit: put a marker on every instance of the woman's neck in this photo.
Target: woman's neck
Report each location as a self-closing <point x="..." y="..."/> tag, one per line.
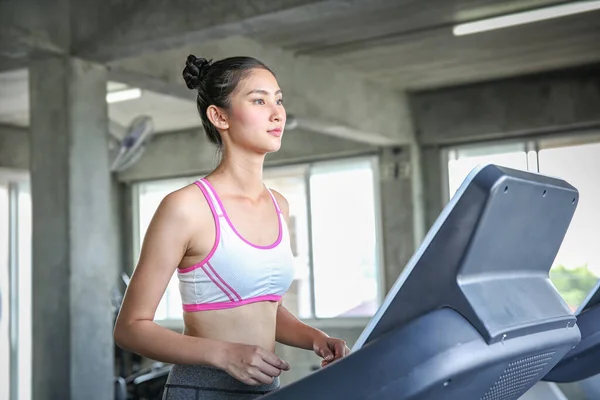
<point x="244" y="172"/>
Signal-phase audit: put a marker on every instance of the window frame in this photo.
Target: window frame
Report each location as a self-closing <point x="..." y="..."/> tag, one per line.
<point x="280" y="170"/>
<point x="533" y="142"/>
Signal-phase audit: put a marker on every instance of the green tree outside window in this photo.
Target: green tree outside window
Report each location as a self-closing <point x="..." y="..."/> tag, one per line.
<point x="574" y="284"/>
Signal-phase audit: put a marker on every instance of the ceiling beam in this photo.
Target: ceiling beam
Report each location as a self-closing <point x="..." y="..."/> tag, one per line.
<point x="325" y="96"/>
<point x="560" y="101"/>
<point x="18" y="43"/>
<point x="30" y="27"/>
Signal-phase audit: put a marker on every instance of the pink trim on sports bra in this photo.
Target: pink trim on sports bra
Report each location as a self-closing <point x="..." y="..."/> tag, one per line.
<point x="267" y="247"/>
<point x="233" y="292"/>
<point x="229" y="304"/>
<point x="217" y="233"/>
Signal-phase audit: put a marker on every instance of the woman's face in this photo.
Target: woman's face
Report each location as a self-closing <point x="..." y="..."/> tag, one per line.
<point x="257" y="117"/>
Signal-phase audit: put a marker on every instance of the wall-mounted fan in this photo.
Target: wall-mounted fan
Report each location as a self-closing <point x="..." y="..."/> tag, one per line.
<point x="127" y="144"/>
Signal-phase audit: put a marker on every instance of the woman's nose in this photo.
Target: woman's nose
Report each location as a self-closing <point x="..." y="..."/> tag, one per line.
<point x="277" y="115"/>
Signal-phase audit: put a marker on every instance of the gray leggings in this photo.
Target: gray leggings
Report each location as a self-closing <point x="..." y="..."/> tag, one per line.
<point x="196" y="382"/>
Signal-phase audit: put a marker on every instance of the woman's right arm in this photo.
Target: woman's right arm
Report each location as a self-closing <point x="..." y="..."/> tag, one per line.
<point x="164" y="246"/>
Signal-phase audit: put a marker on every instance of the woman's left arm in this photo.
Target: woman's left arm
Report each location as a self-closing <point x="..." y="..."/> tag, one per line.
<point x="293" y="332"/>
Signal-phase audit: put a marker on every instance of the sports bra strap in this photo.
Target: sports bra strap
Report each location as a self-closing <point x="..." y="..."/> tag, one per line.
<point x="274" y="201"/>
<point x="208" y="189"/>
<point x="212" y="197"/>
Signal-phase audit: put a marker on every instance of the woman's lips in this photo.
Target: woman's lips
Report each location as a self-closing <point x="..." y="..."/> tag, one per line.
<point x="275" y="132"/>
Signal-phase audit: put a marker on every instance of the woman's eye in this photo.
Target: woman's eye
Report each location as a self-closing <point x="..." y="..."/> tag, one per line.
<point x="280" y="101"/>
<point x="259" y="101"/>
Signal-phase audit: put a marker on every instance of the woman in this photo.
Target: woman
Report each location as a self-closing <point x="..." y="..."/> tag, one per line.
<point x="226" y="236"/>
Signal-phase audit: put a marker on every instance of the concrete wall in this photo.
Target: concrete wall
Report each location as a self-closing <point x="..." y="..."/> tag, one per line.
<point x="14" y="147"/>
<point x="188" y="152"/>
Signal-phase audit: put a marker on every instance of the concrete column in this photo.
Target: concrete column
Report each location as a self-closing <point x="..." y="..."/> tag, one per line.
<point x="418" y="193"/>
<point x="397" y="208"/>
<point x="73" y="261"/>
<point x="431" y="162"/>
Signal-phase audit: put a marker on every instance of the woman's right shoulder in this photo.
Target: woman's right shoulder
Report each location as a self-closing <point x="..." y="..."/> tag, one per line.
<point x="187" y="203"/>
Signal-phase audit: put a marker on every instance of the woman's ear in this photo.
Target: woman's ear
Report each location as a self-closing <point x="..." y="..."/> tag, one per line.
<point x="218" y="117"/>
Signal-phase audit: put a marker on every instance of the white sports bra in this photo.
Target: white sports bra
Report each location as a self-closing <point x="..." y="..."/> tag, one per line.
<point x="236" y="272"/>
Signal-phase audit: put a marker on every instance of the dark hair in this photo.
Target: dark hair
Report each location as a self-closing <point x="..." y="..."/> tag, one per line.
<point x="215" y="82"/>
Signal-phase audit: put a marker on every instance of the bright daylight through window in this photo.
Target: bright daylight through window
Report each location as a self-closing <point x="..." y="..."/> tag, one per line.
<point x="15" y="288"/>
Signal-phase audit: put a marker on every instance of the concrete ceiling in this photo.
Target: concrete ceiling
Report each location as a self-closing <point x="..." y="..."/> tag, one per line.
<point x="407" y="44"/>
<point x="410" y="44"/>
<point x="401" y="45"/>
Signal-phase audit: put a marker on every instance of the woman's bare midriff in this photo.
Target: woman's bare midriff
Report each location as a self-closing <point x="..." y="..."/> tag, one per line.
<point x="252" y="324"/>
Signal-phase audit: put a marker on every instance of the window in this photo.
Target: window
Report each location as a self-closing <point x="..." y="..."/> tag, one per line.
<point x="4" y="291"/>
<point x="334" y="234"/>
<point x="344" y="240"/>
<point x="15" y="287"/>
<point x="461" y="161"/>
<point x="333" y="221"/>
<point x="576" y="268"/>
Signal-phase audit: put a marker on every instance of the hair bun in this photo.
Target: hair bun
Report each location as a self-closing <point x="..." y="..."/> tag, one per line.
<point x="194" y="71"/>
